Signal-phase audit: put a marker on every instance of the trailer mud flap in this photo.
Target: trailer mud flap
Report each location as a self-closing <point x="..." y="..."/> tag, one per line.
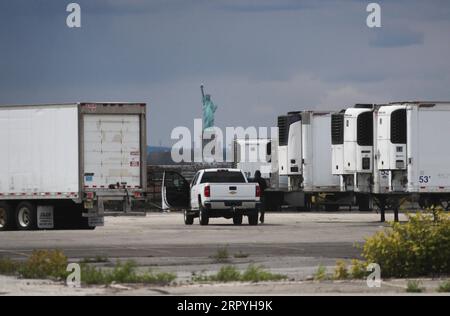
<point x="45" y="217"/>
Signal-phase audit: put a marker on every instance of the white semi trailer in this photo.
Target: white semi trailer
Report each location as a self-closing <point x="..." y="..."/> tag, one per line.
<point x="60" y="164"/>
<point x="411" y="153"/>
<point x="405" y="160"/>
<point x="352" y="151"/>
<point x="307" y="161"/>
<point x="252" y="154"/>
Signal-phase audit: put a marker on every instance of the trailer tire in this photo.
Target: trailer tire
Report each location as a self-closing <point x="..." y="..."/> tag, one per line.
<point x="188" y="219"/>
<point x="26" y="216"/>
<point x="6" y="217"/>
<point x="237" y="219"/>
<point x="203" y="216"/>
<point x="253" y="218"/>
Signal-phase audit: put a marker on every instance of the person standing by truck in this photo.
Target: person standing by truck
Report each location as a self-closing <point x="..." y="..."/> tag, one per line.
<point x="263" y="186"/>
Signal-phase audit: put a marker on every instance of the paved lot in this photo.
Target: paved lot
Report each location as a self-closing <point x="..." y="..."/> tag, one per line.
<point x="292" y="243"/>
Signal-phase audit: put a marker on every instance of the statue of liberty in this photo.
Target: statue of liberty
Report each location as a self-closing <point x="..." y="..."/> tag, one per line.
<point x="209" y="108"/>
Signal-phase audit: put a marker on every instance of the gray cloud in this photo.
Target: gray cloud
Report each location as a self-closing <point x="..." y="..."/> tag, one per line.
<point x="389" y="37"/>
<point x="257" y="58"/>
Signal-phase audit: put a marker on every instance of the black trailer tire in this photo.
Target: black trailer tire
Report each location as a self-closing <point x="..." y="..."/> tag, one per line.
<point x="253" y="218"/>
<point x="26" y="216"/>
<point x="237" y="219"/>
<point x="6" y="217"/>
<point x="203" y="216"/>
<point x="188" y="218"/>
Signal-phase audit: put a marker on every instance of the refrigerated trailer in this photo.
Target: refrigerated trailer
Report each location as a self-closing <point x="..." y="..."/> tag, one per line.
<point x="412" y="159"/>
<point x="60" y="163"/>
<point x="306" y="160"/>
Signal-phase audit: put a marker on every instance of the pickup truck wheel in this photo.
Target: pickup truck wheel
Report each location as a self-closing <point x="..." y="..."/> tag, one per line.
<point x="26" y="216"/>
<point x="188" y="219"/>
<point x="253" y="219"/>
<point x="237" y="219"/>
<point x="6" y="217"/>
<point x="203" y="216"/>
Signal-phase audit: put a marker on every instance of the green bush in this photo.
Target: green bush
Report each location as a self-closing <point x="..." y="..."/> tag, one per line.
<point x="45" y="264"/>
<point x="8" y="267"/>
<point x="340" y="271"/>
<point x="358" y="269"/>
<point x="123" y="273"/>
<point x="414" y="286"/>
<point x="227" y="274"/>
<point x="321" y="273"/>
<point x="258" y="274"/>
<point x="230" y="273"/>
<point x="444" y="287"/>
<point x="419" y="247"/>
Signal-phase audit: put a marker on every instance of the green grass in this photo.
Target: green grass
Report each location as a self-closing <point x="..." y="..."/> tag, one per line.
<point x="341" y="271"/>
<point x="414" y="286"/>
<point x="230" y="273"/>
<point x="97" y="259"/>
<point x="42" y="264"/>
<point x="123" y="273"/>
<point x="321" y="273"/>
<point x="444" y="287"/>
<point x="8" y="267"/>
<point x="52" y="264"/>
<point x="221" y="255"/>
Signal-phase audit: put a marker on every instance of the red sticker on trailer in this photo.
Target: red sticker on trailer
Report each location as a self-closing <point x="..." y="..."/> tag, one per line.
<point x="134" y="164"/>
<point x="91" y="107"/>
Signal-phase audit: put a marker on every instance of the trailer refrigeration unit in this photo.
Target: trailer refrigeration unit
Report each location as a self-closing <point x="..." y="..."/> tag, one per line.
<point x="411" y="153"/>
<point x="317" y="181"/>
<point x="60" y="164"/>
<point x="352" y="151"/>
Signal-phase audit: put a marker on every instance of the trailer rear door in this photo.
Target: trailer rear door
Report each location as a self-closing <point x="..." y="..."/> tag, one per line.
<point x="111" y="150"/>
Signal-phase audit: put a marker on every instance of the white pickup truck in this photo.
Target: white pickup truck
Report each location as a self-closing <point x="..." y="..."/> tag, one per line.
<point x="214" y="193"/>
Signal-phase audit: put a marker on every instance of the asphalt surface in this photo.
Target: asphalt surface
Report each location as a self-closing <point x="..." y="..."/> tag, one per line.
<point x="294" y="244"/>
<point x="163" y="238"/>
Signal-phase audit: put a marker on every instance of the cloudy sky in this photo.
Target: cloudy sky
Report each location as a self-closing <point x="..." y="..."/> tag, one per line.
<point x="258" y="58"/>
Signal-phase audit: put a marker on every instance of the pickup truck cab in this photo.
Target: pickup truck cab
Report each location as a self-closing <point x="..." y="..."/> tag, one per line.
<point x="219" y="193"/>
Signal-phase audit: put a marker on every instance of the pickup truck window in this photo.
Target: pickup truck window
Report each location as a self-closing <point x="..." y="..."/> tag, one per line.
<point x="223" y="177"/>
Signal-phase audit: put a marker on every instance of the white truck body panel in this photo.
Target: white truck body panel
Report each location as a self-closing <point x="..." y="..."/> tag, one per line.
<point x="294" y="156"/>
<point x="39" y="151"/>
<point x="353" y="152"/>
<point x="387" y="152"/>
<point x="317" y="153"/>
<point x="252" y="155"/>
<point x="421" y="165"/>
<point x="337" y="154"/>
<point x="59" y="151"/>
<point x="282" y="160"/>
<point x="112" y="150"/>
<point x="427" y="147"/>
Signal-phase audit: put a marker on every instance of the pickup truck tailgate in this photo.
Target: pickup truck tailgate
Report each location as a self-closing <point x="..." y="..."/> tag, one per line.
<point x="224" y="191"/>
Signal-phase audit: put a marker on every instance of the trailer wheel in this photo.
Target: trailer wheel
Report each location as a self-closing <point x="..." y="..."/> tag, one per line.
<point x="26" y="216"/>
<point x="6" y="216"/>
<point x="203" y="216"/>
<point x="188" y="219"/>
<point x="237" y="219"/>
<point x="253" y="218"/>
